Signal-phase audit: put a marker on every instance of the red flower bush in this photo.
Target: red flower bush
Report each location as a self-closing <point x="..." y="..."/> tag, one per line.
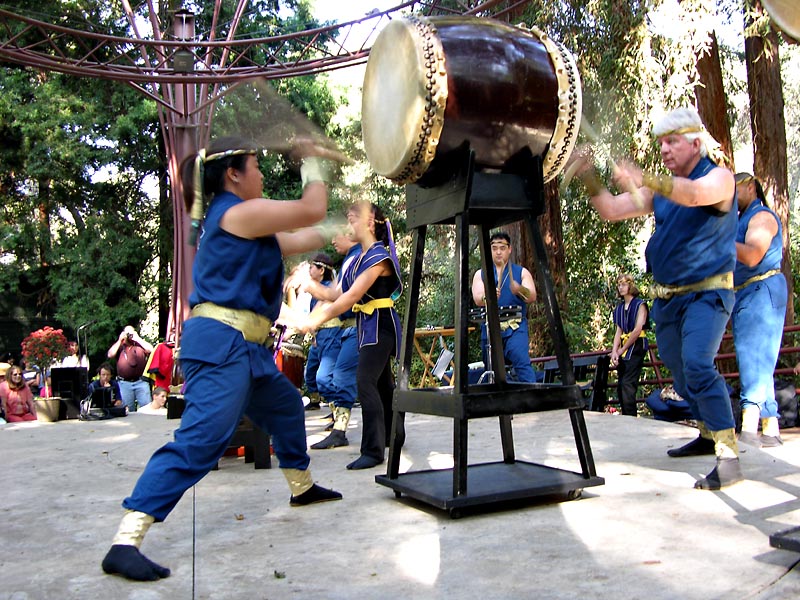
<point x="44" y="346"/>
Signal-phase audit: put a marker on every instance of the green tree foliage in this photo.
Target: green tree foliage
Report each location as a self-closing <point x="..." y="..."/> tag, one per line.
<point x="75" y="159"/>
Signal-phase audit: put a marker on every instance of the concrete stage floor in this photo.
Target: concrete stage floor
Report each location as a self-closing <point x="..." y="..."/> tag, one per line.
<point x="644" y="534"/>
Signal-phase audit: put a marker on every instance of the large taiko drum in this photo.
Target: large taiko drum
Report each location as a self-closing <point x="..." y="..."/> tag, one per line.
<point x="432" y="84"/>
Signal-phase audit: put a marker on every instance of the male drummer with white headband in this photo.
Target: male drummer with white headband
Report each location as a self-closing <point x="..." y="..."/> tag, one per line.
<point x="515" y="288"/>
<point x="692" y="256"/>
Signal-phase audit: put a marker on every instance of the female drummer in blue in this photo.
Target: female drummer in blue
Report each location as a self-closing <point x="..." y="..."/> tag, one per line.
<point x="225" y="348"/>
<point x="371" y="285"/>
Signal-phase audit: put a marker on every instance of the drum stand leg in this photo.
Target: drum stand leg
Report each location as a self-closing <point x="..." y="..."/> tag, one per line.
<point x="493" y="199"/>
<point x="548" y="298"/>
<point x="406" y="349"/>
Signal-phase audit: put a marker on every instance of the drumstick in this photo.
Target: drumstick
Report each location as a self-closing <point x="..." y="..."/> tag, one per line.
<point x="271" y="121"/>
<point x="593" y="137"/>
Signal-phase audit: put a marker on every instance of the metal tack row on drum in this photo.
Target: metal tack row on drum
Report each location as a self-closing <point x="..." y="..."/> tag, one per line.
<point x="434" y="84"/>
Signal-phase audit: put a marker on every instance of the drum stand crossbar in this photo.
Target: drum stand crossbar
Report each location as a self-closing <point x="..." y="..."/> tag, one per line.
<point x="484" y="200"/>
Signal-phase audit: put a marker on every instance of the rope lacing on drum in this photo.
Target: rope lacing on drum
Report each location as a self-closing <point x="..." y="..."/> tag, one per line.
<point x="435" y="102"/>
<point x="570" y="101"/>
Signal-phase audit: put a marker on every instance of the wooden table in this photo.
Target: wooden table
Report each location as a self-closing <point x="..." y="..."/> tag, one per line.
<point x="428" y="353"/>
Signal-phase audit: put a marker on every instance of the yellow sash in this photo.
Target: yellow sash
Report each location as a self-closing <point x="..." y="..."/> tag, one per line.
<point x="371" y="306"/>
<point x="756" y="278"/>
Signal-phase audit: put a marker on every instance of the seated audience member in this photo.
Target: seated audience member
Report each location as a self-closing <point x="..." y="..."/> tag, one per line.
<point x="161" y="364"/>
<point x="72" y="359"/>
<point x="16" y="396"/>
<point x="158" y="406"/>
<point x="32" y="376"/>
<point x="667" y="405"/>
<point x="3" y="368"/>
<point x="105" y="378"/>
<point x="46" y="388"/>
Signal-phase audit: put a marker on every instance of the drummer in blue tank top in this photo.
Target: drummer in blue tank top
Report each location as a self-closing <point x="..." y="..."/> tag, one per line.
<point x="692" y="257"/>
<point x="515" y="289"/>
<point x="225" y="348"/>
<point x="759" y="311"/>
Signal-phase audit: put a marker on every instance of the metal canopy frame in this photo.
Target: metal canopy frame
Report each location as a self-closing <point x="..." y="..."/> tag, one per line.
<point x="185" y="75"/>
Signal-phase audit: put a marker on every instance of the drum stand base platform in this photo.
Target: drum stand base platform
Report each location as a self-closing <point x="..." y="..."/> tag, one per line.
<point x="788" y="539"/>
<point x="484" y="200"/>
<point x="489" y="483"/>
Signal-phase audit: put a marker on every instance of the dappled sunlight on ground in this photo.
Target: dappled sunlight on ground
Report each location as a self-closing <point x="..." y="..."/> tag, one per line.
<point x="419" y="558"/>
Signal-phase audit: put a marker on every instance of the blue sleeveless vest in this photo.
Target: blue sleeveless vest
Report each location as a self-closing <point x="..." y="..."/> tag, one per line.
<point x="368" y="325"/>
<point x="774" y="256"/>
<point x="690" y="244"/>
<point x="236" y="272"/>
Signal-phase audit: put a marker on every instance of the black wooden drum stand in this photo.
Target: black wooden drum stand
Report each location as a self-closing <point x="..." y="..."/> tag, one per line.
<point x="484" y="200"/>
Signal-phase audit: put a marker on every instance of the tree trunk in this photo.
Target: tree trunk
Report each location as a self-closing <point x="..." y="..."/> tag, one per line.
<point x="765" y="89"/>
<point x="552" y="231"/>
<point x="710" y="96"/>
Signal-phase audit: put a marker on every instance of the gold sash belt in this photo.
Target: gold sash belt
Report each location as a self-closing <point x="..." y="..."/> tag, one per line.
<point x="348" y="323"/>
<point x="755" y="278"/>
<point x="371" y="306"/>
<point x="723" y="281"/>
<point x="254" y="327"/>
<point x="334" y="322"/>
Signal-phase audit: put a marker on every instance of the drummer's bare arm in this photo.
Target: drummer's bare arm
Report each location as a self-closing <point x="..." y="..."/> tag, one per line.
<point x="328" y="293"/>
<point x="259" y="217"/>
<point x="526" y="289"/>
<point x="300" y="241"/>
<point x="478" y="291"/>
<point x="346" y="301"/>
<point x="623" y="206"/>
<point x="636" y="202"/>
<point x="715" y="189"/>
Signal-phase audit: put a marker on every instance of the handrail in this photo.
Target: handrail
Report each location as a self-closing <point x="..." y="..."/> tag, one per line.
<point x="662" y="380"/>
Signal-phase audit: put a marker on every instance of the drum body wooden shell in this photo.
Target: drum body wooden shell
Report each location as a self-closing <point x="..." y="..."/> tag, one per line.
<point x="291" y="362"/>
<point x="434" y="84"/>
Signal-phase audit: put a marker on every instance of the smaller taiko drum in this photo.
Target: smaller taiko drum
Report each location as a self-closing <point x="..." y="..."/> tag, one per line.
<point x="292" y="362"/>
<point x="434" y="84"/>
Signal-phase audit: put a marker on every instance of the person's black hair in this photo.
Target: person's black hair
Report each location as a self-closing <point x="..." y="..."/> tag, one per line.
<point x="107" y="366"/>
<point x="500" y="235"/>
<point x="214" y="169"/>
<point x="327" y="265"/>
<point x="744" y="177"/>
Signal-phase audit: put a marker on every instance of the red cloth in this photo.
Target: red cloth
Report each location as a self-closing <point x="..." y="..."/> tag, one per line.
<point x="161" y="365"/>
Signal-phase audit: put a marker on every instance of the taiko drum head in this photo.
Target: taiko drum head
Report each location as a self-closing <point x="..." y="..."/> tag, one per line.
<point x="403" y="102"/>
